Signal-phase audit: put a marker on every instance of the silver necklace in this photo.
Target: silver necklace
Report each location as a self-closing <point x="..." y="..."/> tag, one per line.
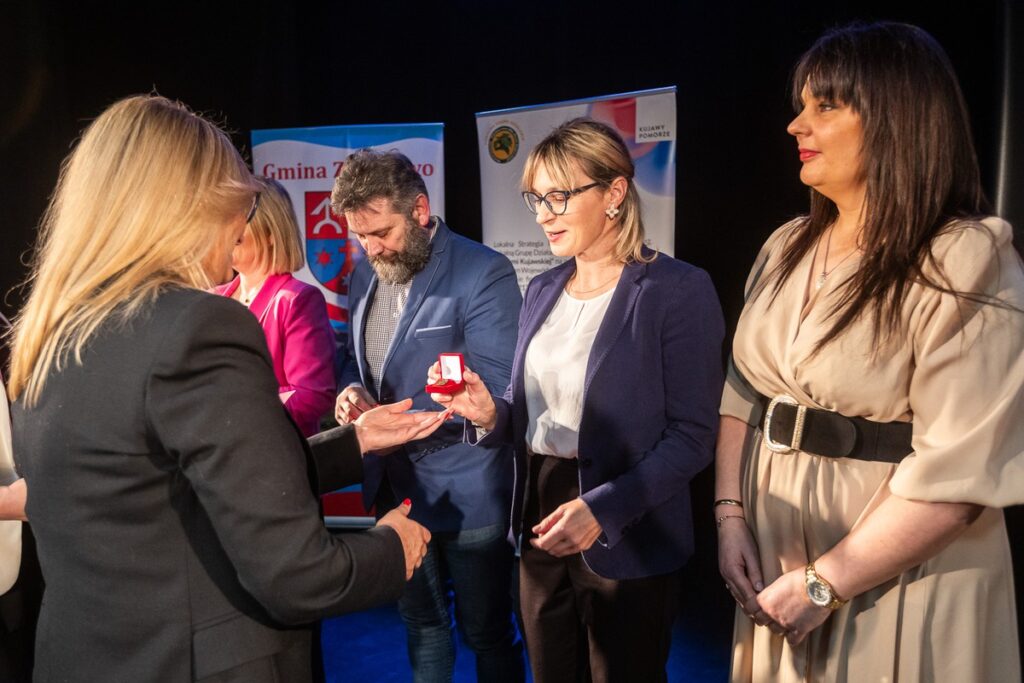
<point x="820" y="281"/>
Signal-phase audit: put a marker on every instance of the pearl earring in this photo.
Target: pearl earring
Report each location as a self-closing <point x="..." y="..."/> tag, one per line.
<point x="611" y="212"/>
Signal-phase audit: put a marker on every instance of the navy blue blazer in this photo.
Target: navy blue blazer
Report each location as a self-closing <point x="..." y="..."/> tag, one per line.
<point x="650" y="411"/>
<point x="466" y="300"/>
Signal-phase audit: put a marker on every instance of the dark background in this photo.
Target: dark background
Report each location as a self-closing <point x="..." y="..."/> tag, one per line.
<point x="268" y="64"/>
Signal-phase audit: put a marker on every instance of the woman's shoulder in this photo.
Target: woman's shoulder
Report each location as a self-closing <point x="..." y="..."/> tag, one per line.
<point x="972" y="258"/>
<point x="965" y="248"/>
<point x="184" y="319"/>
<point x="293" y="285"/>
<point x="676" y="292"/>
<point x="175" y="299"/>
<point x="662" y="263"/>
<point x="175" y="316"/>
<point x="964" y="237"/>
<point x="185" y="308"/>
<point x="783" y="234"/>
<point x="291" y="291"/>
<point x="674" y="272"/>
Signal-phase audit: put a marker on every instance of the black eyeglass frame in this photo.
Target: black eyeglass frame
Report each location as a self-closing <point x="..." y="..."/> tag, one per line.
<point x="252" y="209"/>
<point x="531" y="205"/>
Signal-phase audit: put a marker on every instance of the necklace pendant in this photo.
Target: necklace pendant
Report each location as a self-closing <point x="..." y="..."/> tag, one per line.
<point x="819" y="282"/>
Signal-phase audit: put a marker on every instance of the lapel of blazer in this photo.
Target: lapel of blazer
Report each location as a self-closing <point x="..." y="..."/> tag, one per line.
<point x="268" y="292"/>
<point x="421" y="284"/>
<point x="358" y="319"/>
<point x="615" y="319"/>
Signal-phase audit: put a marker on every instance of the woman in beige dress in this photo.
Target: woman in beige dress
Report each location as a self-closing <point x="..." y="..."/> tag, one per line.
<point x="871" y="425"/>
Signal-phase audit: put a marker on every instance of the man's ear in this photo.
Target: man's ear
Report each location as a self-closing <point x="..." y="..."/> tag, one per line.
<point x="421" y="210"/>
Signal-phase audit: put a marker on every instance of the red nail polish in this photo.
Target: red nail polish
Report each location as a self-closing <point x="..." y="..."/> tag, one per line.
<point x="407" y="502"/>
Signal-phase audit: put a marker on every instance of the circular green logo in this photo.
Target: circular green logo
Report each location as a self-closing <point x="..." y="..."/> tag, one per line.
<point x="503" y="144"/>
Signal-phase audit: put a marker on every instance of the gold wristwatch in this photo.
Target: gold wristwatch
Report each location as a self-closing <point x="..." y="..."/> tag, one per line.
<point x="820" y="591"/>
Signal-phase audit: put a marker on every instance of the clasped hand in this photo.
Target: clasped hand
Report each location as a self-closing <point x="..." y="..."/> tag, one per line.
<point x="792" y="613"/>
<point x="783" y="607"/>
<point x="570" y="529"/>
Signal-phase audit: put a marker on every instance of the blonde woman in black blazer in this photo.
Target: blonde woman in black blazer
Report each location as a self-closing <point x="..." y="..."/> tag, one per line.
<point x="170" y="498"/>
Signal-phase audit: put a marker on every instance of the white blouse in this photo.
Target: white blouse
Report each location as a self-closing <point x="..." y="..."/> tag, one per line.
<point x="556" y="367"/>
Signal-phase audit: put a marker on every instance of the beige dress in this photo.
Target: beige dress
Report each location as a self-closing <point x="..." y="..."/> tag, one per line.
<point x="957" y="371"/>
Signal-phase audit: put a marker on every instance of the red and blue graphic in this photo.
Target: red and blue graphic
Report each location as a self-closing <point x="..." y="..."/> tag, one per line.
<point x="654" y="162"/>
<point x="307" y="161"/>
<point x="328" y="251"/>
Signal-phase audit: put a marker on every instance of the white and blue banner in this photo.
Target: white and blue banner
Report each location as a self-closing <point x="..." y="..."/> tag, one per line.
<point x="646" y="121"/>
<point x="306" y="161"/>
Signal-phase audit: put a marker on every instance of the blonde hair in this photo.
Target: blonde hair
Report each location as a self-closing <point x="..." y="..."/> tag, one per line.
<point x="597" y="151"/>
<point x="139" y="204"/>
<point x="275" y="234"/>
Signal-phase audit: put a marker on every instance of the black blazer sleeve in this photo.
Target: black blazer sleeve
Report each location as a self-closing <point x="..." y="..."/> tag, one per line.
<point x="212" y="404"/>
<point x="336" y="458"/>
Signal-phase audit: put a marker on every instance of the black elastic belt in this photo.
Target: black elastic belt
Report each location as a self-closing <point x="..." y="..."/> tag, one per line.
<point x="789" y="426"/>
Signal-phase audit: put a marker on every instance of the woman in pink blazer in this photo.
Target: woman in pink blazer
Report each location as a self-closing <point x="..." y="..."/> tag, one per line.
<point x="293" y="314"/>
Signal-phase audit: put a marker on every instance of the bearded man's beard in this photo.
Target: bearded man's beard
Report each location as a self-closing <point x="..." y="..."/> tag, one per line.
<point x="402" y="266"/>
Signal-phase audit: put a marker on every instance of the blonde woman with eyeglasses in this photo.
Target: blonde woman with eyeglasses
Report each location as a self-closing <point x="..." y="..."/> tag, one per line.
<point x="169" y="495"/>
<point x="611" y="410"/>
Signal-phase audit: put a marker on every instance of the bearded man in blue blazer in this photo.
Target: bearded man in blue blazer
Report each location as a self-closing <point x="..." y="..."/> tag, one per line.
<point x="421" y="291"/>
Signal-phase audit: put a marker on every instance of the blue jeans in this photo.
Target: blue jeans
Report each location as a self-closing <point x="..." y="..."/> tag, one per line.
<point x="477" y="564"/>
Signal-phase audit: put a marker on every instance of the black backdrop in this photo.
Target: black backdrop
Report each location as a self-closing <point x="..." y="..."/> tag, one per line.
<point x="271" y="64"/>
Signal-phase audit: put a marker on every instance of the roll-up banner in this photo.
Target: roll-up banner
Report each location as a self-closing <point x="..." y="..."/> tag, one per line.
<point x="646" y="120"/>
<point x="307" y="160"/>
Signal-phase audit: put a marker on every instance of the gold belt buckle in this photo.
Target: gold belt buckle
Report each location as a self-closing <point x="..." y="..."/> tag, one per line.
<point x="798" y="425"/>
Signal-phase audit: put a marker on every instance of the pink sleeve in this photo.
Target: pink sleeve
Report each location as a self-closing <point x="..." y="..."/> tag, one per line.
<point x="308" y="361"/>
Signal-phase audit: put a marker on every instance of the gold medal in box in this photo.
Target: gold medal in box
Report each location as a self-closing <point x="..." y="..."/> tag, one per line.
<point x="450" y="382"/>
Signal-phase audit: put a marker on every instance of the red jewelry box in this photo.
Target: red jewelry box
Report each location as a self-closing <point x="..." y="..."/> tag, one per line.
<point x="451" y="374"/>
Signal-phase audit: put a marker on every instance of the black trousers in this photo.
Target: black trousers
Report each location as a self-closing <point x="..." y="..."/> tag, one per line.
<point x="580" y="626"/>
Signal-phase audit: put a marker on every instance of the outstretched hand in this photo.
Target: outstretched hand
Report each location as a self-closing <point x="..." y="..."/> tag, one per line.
<point x="473" y="402"/>
<point x="390" y="425"/>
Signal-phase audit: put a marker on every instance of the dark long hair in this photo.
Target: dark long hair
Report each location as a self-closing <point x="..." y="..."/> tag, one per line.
<point x="919" y="162"/>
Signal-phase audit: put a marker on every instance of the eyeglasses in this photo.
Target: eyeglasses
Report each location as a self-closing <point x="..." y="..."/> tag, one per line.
<point x="252" y="209"/>
<point x="557" y="201"/>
